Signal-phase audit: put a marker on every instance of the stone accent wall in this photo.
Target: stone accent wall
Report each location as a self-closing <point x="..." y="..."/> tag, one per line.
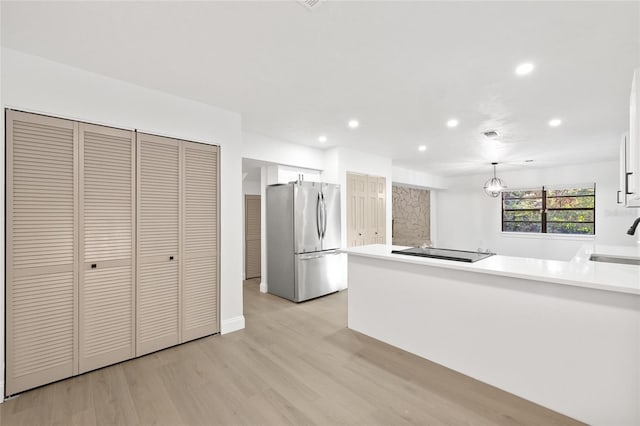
<point x="411" y="216"/>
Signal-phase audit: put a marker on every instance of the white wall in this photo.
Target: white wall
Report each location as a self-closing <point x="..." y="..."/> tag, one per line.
<point x="250" y="187"/>
<point x="33" y="84"/>
<point x="289" y="174"/>
<point x="468" y="219"/>
<point x="259" y="147"/>
<point x="419" y="179"/>
<point x="330" y="169"/>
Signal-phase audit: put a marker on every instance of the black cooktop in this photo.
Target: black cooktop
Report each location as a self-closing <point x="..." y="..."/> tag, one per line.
<point x="447" y="254"/>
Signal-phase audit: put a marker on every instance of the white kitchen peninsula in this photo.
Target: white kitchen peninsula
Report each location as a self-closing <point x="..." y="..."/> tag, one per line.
<point x="565" y="335"/>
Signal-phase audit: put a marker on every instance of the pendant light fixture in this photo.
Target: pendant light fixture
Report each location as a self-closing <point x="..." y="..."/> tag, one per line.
<point x="494" y="186"/>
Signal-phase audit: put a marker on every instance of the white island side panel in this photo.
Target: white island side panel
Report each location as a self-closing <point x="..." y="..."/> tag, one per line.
<point x="574" y="350"/>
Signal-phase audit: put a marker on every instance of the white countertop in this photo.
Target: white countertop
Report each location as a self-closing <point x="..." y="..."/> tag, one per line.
<point x="578" y="272"/>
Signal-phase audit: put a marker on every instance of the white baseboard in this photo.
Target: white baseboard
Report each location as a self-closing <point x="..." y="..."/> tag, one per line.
<point x="232" y="324"/>
<point x="1" y="392"/>
<point x="263" y="287"/>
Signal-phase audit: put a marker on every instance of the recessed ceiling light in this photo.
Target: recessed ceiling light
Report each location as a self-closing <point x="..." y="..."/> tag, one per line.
<point x="322" y="139"/>
<point x="555" y="122"/>
<point x="524" y="69"/>
<point x="452" y="123"/>
<point x="354" y="123"/>
<point x="422" y="148"/>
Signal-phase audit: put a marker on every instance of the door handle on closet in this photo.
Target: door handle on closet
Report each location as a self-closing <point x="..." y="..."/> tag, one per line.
<point x="170" y="257"/>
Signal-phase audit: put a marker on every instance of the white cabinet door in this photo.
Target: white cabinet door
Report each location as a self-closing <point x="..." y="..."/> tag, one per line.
<point x="633" y="158"/>
<point x="623" y="177"/>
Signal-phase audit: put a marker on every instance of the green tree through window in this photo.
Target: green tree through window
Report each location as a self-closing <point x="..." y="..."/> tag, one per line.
<point x="568" y="210"/>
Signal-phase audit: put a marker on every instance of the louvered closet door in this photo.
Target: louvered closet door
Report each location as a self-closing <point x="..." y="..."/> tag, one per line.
<point x="158" y="285"/>
<point x="252" y="236"/>
<point x="200" y="241"/>
<point x="41" y="262"/>
<point x="107" y="212"/>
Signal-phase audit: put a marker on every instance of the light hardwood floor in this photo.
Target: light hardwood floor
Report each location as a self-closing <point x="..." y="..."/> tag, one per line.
<point x="293" y="364"/>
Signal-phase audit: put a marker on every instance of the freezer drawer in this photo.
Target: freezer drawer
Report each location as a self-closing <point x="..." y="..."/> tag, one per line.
<point x="318" y="274"/>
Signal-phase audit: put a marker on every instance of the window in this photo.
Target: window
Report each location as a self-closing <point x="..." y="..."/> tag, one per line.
<point x="566" y="210"/>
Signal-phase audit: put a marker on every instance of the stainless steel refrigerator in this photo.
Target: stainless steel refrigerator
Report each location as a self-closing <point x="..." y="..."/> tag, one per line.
<point x="303" y="234"/>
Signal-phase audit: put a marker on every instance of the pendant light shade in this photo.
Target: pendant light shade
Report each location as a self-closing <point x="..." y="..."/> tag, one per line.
<point x="494" y="186"/>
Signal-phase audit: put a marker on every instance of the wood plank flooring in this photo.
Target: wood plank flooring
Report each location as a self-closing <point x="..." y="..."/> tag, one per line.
<point x="293" y="364"/>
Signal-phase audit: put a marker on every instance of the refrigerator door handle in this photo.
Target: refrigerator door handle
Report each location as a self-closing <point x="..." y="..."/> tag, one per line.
<point x="318" y="219"/>
<point x="319" y="256"/>
<point x="324" y="216"/>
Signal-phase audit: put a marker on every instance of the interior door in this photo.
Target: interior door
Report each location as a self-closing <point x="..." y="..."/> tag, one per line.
<point x="380" y="230"/>
<point x="372" y="210"/>
<point x="199" y="241"/>
<point x="159" y="222"/>
<point x="253" y="240"/>
<point x="107" y="268"/>
<point x="332" y="238"/>
<point x="306" y="205"/>
<point x="356" y="209"/>
<point x="41" y="250"/>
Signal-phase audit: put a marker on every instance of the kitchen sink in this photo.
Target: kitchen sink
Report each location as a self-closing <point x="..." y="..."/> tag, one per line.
<point x="615" y="259"/>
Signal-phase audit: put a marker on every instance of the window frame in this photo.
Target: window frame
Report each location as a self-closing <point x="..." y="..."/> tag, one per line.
<point x="544" y="210"/>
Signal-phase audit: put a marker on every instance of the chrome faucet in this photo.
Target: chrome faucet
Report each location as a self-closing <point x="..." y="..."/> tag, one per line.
<point x="632" y="230"/>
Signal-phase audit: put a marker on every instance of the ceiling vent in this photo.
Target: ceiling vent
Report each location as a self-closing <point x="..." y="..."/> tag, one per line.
<point x="491" y="134"/>
<point x="311" y="4"/>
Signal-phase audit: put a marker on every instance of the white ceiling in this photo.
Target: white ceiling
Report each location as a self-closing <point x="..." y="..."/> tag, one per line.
<point x="401" y="68"/>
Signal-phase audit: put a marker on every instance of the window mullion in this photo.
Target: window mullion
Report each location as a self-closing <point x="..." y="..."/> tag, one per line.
<point x="543" y="216"/>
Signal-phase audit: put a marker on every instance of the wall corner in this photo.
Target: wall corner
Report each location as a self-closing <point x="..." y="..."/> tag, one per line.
<point x="232" y="324"/>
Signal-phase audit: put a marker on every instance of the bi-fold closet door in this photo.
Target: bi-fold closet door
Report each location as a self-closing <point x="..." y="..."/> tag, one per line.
<point x="70" y="248"/>
<point x="107" y="246"/>
<point x="41" y="250"/>
<point x="111" y="246"/>
<point x="177" y="295"/>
